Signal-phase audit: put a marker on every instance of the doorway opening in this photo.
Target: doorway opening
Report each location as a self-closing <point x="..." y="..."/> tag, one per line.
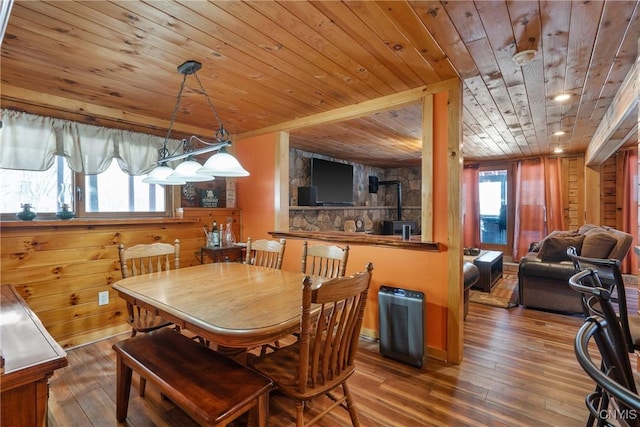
<point x="496" y="213"/>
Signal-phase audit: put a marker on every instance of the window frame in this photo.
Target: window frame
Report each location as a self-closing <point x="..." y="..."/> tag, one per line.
<point x="79" y="194"/>
<point x="509" y="167"/>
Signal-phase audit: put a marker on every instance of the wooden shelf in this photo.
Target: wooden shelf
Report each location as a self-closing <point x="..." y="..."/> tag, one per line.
<point x="361" y="208"/>
<point x="362" y="238"/>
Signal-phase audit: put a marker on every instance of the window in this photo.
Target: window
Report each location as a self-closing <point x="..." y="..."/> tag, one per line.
<point x="492" y="189"/>
<point x="39" y="189"/>
<point x="112" y="191"/>
<point x="115" y="191"/>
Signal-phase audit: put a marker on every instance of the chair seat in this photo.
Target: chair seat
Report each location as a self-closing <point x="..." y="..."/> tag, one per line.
<point x="282" y="367"/>
<point x="147" y="322"/>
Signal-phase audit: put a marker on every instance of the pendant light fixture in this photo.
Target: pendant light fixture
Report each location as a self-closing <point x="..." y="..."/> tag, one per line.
<point x="220" y="164"/>
<point x="187" y="170"/>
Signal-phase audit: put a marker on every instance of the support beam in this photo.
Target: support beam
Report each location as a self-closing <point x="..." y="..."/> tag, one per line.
<point x="98" y="114"/>
<point x="592" y="195"/>
<point x="281" y="180"/>
<point x="362" y="109"/>
<point x="426" y="218"/>
<point x="455" y="318"/>
<point x="621" y="111"/>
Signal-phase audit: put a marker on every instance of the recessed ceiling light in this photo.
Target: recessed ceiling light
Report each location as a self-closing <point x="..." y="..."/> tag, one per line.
<point x="559" y="132"/>
<point x="562" y="97"/>
<point x="558" y="150"/>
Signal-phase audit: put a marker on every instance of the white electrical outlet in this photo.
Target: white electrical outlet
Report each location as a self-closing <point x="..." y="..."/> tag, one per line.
<point x="103" y="298"/>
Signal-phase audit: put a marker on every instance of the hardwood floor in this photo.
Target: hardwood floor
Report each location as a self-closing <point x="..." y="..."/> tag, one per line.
<point x="519" y="370"/>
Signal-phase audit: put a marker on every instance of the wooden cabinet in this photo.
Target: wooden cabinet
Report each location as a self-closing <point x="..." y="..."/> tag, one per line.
<point x="29" y="357"/>
<point x="221" y="254"/>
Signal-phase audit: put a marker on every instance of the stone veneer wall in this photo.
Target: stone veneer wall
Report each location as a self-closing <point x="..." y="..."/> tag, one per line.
<point x="371" y="208"/>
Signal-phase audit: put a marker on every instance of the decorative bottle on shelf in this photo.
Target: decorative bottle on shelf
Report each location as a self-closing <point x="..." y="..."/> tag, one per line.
<point x="229" y="237"/>
<point x="26" y="198"/>
<point x="216" y="234"/>
<point x="26" y="214"/>
<point x="65" y="200"/>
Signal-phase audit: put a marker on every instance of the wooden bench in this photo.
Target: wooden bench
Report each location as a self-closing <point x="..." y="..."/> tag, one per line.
<point x="211" y="388"/>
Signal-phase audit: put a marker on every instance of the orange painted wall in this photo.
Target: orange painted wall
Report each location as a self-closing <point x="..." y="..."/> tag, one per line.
<point x="255" y="194"/>
<point x="416" y="270"/>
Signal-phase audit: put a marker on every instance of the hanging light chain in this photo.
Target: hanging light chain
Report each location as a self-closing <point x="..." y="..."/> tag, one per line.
<point x="164" y="152"/>
<point x="165" y="175"/>
<point x="221" y="134"/>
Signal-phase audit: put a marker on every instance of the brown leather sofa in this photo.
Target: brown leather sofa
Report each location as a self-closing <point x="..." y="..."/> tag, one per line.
<point x="544" y="272"/>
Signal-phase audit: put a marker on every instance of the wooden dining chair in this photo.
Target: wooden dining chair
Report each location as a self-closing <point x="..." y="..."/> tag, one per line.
<point x="324" y="260"/>
<point x="265" y="253"/>
<point x="143" y="259"/>
<point x="323" y="358"/>
<point x="328" y="261"/>
<point x="318" y="260"/>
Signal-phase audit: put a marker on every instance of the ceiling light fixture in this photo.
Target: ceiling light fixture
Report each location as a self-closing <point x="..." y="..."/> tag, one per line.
<point x="562" y="97"/>
<point x="220" y="164"/>
<point x="559" y="132"/>
<point x="524" y="57"/>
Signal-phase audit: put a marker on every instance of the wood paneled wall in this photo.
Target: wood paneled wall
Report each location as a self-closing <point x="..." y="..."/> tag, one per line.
<point x="611" y="185"/>
<point x="59" y="267"/>
<point x="575" y="185"/>
<point x="573" y="191"/>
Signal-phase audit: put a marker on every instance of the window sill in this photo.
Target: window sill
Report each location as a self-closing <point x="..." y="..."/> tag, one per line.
<point x="92" y="222"/>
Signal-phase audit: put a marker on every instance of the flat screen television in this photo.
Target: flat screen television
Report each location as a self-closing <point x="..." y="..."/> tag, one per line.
<point x="334" y="182"/>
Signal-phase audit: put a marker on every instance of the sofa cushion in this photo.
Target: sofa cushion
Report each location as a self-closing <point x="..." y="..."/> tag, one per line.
<point x="554" y="248"/>
<point x="558" y="272"/>
<point x="587" y="227"/>
<point x="535" y="247"/>
<point x="598" y="245"/>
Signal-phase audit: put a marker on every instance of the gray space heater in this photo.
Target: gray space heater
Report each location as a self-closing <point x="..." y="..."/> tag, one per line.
<point x="401" y="314"/>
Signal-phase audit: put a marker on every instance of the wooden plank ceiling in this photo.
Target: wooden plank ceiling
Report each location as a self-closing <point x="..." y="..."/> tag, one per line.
<point x="264" y="63"/>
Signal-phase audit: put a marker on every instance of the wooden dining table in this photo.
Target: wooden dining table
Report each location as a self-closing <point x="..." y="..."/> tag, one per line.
<point x="230" y="304"/>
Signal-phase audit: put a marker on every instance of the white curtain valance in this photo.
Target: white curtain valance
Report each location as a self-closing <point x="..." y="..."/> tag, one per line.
<point x="30" y="142"/>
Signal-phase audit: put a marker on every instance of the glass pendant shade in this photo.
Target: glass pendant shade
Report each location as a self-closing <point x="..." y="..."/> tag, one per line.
<point x="223" y="164"/>
<point x="159" y="175"/>
<point x="186" y="171"/>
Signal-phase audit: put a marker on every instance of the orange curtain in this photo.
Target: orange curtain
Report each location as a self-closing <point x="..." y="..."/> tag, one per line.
<point x="529" y="225"/>
<point x="539" y="208"/>
<point x="471" y="208"/>
<point x="630" y="207"/>
<point x="553" y="195"/>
